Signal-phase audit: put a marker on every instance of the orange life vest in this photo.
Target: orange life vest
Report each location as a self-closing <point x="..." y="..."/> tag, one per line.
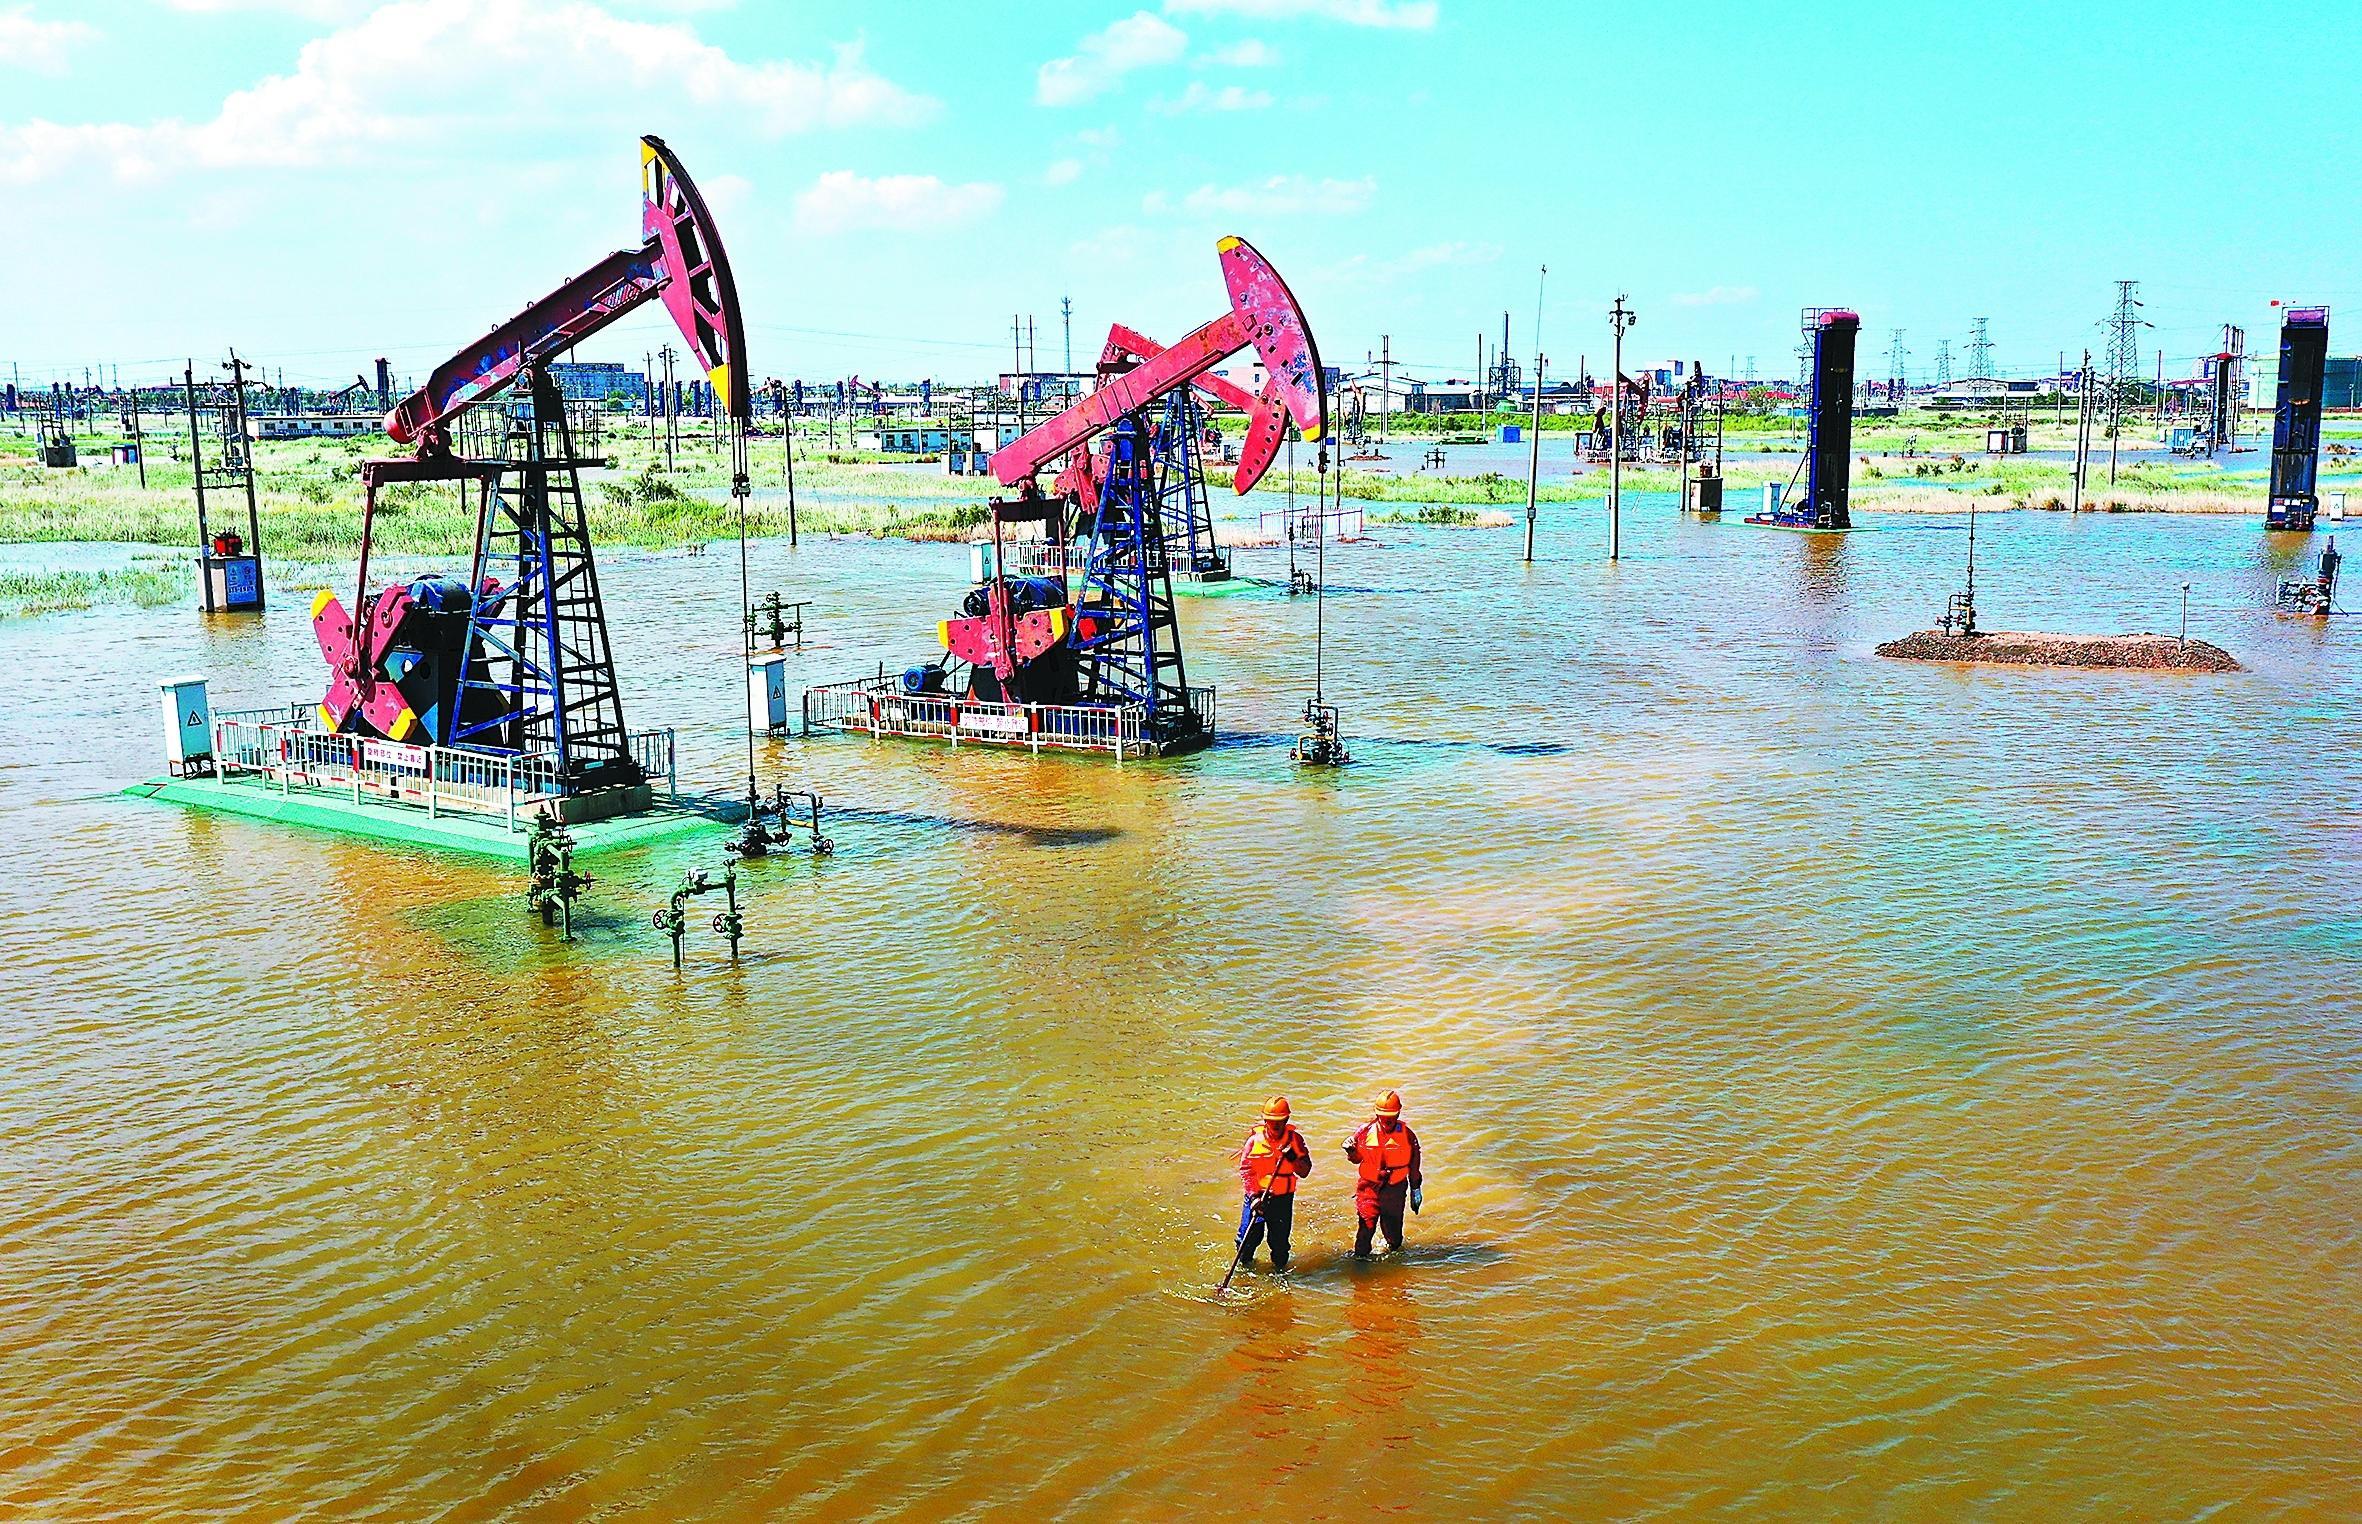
<point x="1268" y="1163"/>
<point x="1385" y="1156"/>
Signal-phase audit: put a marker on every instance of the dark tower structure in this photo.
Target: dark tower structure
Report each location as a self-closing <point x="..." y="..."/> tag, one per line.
<point x="1828" y="350"/>
<point x="2296" y="419"/>
<point x="1829" y="467"/>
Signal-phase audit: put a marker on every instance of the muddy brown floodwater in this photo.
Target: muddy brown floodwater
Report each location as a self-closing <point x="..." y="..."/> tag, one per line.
<point x="1851" y="1088"/>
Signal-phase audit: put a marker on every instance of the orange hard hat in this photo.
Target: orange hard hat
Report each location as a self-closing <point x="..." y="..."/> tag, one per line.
<point x="1276" y="1109"/>
<point x="1390" y="1104"/>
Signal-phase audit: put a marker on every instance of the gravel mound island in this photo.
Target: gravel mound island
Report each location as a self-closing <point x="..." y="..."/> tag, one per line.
<point x="2155" y="653"/>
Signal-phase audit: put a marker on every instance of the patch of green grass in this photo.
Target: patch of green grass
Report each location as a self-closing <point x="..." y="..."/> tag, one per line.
<point x="1429" y="513"/>
<point x="23" y="593"/>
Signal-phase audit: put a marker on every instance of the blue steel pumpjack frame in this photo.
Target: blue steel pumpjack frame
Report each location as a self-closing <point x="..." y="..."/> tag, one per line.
<point x="1188" y="519"/>
<point x="1125" y="632"/>
<point x="558" y="693"/>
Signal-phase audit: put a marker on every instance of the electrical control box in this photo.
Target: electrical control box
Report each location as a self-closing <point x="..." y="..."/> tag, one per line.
<point x="766" y="694"/>
<point x="188" y="727"/>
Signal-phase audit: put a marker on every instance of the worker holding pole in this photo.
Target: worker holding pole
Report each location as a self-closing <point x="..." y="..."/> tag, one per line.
<point x="1387" y="1153"/>
<point x="1274" y="1159"/>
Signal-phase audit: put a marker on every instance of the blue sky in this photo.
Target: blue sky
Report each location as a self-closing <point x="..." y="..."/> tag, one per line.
<point x="322" y="181"/>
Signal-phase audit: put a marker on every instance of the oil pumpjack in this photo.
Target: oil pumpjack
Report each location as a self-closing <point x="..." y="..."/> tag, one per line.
<point x="1088" y="656"/>
<point x="513" y="659"/>
<point x="2296" y="420"/>
<point x="1827" y="466"/>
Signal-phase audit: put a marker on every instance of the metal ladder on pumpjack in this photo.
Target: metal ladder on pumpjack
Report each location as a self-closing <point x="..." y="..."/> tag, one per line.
<point x="1132" y="653"/>
<point x="540" y="648"/>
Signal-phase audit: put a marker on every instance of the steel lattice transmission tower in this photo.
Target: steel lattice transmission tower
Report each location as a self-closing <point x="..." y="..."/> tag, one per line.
<point x="1943" y="362"/>
<point x="2123" y="359"/>
<point x="1980" y="351"/>
<point x="1896" y="358"/>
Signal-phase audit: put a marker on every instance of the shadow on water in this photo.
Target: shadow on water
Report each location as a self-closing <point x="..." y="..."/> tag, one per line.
<point x="1256" y="740"/>
<point x="1030" y="835"/>
<point x="731" y="812"/>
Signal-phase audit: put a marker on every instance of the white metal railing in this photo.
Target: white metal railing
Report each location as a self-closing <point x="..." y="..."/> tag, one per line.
<point x="274" y="714"/>
<point x="286" y="746"/>
<point x="1345" y="522"/>
<point x="657" y="757"/>
<point x="1040" y="558"/>
<point x="879" y="707"/>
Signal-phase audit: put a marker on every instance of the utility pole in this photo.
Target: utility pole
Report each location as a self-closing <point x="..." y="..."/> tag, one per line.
<point x="672" y="411"/>
<point x="1533" y="466"/>
<point x="245" y="448"/>
<point x="139" y="449"/>
<point x="188" y="378"/>
<point x="1066" y="318"/>
<point x="2058" y="391"/>
<point x="1619" y="319"/>
<point x="1385" y="384"/>
<point x="787" y="438"/>
<point x="2082" y="431"/>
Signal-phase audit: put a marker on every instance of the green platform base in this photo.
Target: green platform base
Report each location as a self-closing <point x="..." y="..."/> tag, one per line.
<point x="373" y="820"/>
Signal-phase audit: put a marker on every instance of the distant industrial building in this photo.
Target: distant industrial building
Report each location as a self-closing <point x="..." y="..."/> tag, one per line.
<point x="1984" y="392"/>
<point x="2341" y="381"/>
<point x="598" y="380"/>
<point x="311" y="425"/>
<point x="914" y="438"/>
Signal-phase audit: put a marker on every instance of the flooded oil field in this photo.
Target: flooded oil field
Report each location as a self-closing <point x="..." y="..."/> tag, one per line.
<point x="1848" y="1087"/>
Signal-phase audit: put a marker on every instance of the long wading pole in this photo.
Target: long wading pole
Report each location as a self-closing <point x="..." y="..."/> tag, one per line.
<point x="1238" y="1250"/>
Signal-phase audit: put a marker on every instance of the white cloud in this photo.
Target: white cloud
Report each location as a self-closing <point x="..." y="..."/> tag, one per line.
<point x="1101" y="60"/>
<point x="1253" y="53"/>
<point x="1063" y="172"/>
<point x="1716" y="296"/>
<point x="27" y="42"/>
<point x="1199" y="98"/>
<point x="1417" y="15"/>
<point x="1279" y="196"/>
<point x="425" y="71"/>
<point x="844" y="202"/>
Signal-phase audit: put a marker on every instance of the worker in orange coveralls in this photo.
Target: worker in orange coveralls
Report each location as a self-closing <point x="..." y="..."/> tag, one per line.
<point x="1387" y="1153"/>
<point x="1274" y="1159"/>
